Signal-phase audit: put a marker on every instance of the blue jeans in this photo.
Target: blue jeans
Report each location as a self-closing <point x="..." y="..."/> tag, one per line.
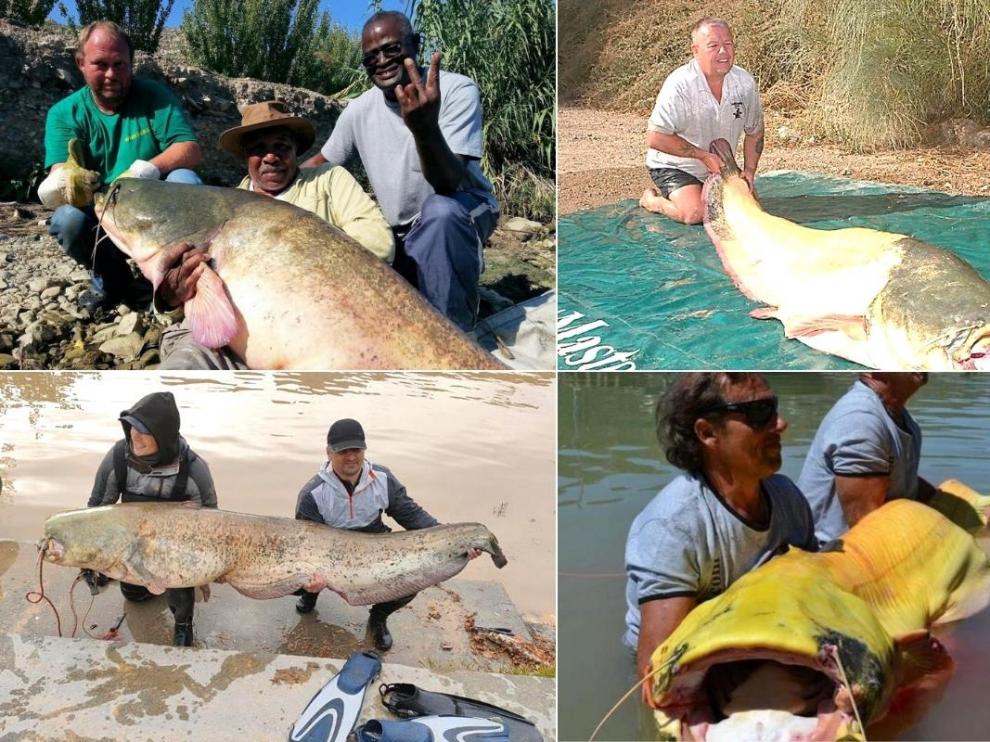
<point x="441" y="254"/>
<point x="75" y="230"/>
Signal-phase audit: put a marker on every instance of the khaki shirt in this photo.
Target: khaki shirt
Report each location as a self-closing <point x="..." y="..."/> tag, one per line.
<point x="335" y="196"/>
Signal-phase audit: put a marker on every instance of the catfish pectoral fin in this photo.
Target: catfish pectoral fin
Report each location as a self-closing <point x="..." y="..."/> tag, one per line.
<point x="211" y="314"/>
<point x="765" y="313"/>
<point x="853" y="326"/>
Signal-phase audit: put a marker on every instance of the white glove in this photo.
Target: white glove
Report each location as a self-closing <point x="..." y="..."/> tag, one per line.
<point x="142" y="169"/>
<point x="52" y="189"/>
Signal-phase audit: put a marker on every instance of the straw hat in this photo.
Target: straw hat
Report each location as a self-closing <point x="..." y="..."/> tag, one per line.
<point x="264" y="115"/>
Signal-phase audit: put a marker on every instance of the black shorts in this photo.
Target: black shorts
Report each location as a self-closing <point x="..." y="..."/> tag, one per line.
<point x="669" y="179"/>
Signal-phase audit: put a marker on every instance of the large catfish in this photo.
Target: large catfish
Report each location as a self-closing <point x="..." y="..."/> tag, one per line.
<point x="820" y="646"/>
<point x="880" y="299"/>
<point x="284" y="289"/>
<point x="164" y="545"/>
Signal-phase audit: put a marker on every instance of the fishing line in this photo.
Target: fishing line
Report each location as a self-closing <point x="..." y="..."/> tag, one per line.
<point x="72" y="605"/>
<point x="648" y="676"/>
<point x="849" y="690"/>
<point x="112" y="202"/>
<point x="37" y="597"/>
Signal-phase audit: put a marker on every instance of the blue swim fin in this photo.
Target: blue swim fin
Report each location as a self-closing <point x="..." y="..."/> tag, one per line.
<point x="433" y="729"/>
<point x="334" y="710"/>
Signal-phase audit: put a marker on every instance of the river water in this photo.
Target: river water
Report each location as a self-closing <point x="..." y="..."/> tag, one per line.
<point x="610" y="466"/>
<point x="468" y="447"/>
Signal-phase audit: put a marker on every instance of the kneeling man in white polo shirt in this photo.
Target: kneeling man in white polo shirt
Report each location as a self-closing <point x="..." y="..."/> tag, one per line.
<point x="706" y="99"/>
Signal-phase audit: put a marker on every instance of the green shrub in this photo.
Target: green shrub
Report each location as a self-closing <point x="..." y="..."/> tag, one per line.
<point x="903" y="64"/>
<point x="143" y="20"/>
<point x="30" y="12"/>
<point x="274" y="40"/>
<point x="508" y="48"/>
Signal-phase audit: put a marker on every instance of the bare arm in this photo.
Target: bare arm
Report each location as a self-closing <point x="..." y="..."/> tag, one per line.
<point x="658" y="619"/>
<point x="315" y="161"/>
<point x="672" y="144"/>
<point x="178" y="155"/>
<point x="420" y="108"/>
<point x="752" y="149"/>
<point x="860" y="496"/>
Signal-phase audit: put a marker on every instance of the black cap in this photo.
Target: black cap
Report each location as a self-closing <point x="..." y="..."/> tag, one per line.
<point x="345" y="434"/>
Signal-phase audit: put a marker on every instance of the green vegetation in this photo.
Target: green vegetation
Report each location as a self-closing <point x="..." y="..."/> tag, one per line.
<point x="29" y="12"/>
<point x="143" y="20"/>
<point x="508" y="48"/>
<point x="275" y="40"/>
<point x="868" y="75"/>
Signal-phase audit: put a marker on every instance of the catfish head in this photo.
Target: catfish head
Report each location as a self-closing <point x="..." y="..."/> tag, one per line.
<point x="727" y="183"/>
<point x="92" y="538"/>
<point x="145" y="218"/>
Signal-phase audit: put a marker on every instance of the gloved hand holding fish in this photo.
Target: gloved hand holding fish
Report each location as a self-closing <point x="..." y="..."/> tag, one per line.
<point x="283" y="288"/>
<point x="879" y="299"/>
<point x="164" y="546"/>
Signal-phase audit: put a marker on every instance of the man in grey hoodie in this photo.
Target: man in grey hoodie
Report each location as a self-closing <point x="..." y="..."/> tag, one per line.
<point x="153" y="463"/>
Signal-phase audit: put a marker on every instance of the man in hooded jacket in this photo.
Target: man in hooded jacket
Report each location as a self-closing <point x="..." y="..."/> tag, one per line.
<point x="153" y="463"/>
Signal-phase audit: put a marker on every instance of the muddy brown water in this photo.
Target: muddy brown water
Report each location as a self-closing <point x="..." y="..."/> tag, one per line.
<point x="468" y="447"/>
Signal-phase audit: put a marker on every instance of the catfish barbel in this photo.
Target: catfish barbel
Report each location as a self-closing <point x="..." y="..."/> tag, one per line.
<point x="880" y="299"/>
<point x="163" y="546"/>
<point x="283" y="288"/>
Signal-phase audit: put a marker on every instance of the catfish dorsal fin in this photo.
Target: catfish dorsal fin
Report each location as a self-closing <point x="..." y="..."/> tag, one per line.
<point x="211" y="314"/>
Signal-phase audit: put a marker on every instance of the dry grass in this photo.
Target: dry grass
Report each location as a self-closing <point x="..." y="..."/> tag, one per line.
<point x="868" y="76"/>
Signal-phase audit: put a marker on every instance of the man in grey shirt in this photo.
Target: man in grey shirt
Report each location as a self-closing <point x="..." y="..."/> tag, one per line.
<point x="865" y="452"/>
<point x="420" y="144"/>
<point x="725" y="515"/>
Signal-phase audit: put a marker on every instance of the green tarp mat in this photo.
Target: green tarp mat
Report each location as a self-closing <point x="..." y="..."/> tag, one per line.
<point x="637" y="290"/>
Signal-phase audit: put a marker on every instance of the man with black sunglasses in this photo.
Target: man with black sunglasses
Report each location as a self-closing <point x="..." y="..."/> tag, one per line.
<point x="420" y="144"/>
<point x="865" y="453"/>
<point x="726" y="514"/>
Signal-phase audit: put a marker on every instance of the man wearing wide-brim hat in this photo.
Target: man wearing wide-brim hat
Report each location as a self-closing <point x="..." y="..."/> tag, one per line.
<point x="270" y="140"/>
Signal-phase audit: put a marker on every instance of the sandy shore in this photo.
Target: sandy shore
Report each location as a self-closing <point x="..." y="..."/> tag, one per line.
<point x="600" y="161"/>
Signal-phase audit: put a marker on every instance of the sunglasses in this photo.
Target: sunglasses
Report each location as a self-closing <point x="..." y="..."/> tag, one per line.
<point x="387" y="51"/>
<point x="759" y="413"/>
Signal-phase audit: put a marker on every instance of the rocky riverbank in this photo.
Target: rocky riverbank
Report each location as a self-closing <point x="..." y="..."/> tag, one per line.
<point x="41" y="325"/>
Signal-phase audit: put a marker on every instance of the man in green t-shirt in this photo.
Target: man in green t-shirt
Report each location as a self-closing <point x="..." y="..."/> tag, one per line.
<point x="127" y="127"/>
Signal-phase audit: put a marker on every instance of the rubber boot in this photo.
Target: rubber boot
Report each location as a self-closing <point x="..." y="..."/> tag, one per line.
<point x="135" y="593"/>
<point x="183" y="634"/>
<point x="378" y="628"/>
<point x="306" y="602"/>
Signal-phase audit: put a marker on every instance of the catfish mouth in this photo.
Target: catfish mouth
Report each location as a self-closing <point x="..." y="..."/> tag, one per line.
<point x="733" y="693"/>
<point x="970" y="350"/>
<point x="51" y="550"/>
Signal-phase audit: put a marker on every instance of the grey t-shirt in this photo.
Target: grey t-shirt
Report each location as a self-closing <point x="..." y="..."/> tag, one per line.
<point x="372" y="128"/>
<point x="858" y="437"/>
<point x="688" y="542"/>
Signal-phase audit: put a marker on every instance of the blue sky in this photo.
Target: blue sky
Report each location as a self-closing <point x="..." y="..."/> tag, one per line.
<point x="349" y="13"/>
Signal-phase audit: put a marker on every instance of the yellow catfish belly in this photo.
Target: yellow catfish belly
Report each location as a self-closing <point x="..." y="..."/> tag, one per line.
<point x="834" y="625"/>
